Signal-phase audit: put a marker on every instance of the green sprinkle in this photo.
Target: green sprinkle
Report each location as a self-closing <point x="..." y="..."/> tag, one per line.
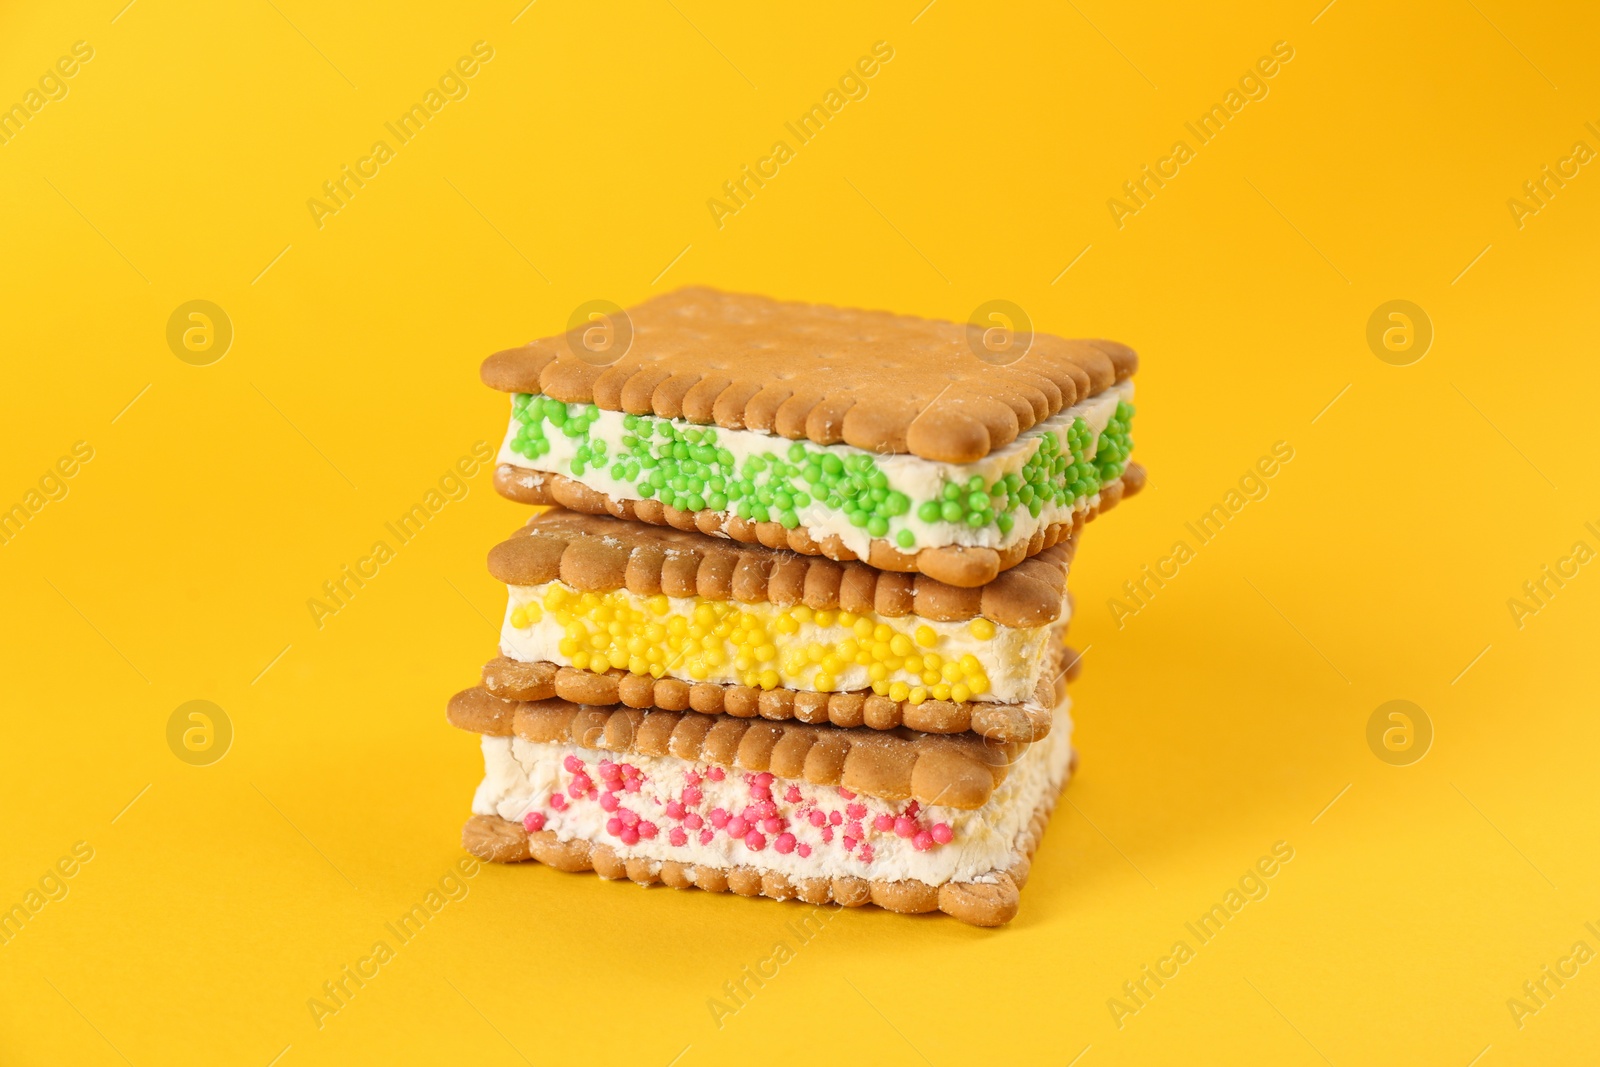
<point x="905" y="538"/>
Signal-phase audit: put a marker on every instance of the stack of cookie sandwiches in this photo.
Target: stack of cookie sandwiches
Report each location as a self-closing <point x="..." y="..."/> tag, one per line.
<point x="792" y="624"/>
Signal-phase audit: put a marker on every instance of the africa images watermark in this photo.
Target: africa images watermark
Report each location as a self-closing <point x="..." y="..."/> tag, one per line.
<point x="51" y="87"/>
<point x="1154" y="177"/>
<point x="453" y="485"/>
<point x="738" y="990"/>
<point x="1538" y="191"/>
<point x="1553" y="577"/>
<point x="341" y="989"/>
<point x="1252" y="887"/>
<point x="1253" y="485"/>
<point x="53" y="887"/>
<point x="52" y="486"/>
<point x="452" y="85"/>
<point x="852" y="85"/>
<point x="1538" y="991"/>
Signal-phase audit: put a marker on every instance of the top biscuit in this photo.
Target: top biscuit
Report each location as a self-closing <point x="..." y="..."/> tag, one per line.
<point x="886" y="383"/>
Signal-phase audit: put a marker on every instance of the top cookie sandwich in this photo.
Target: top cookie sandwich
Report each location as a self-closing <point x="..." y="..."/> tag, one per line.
<point x="828" y="431"/>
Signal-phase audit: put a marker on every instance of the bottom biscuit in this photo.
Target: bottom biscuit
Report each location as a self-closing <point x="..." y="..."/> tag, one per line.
<point x="689" y="825"/>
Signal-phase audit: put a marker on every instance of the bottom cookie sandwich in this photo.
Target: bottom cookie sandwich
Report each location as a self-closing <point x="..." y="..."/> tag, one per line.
<point x="910" y="822"/>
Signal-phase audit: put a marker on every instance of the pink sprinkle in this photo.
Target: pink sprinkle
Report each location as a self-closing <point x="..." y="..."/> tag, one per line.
<point x="632" y="785"/>
<point x="849" y="843"/>
<point x="846" y="793"/>
<point x="533" y="822"/>
<point x="835" y="818"/>
<point x="784" y="844"/>
<point x="609" y="801"/>
<point x="853" y="828"/>
<point x="678" y="837"/>
<point x="629" y="835"/>
<point x="942" y="833"/>
<point x="613" y="826"/>
<point x="736" y="826"/>
<point x="754" y="841"/>
<point x="816" y="818"/>
<point x="628" y="818"/>
<point x="674" y="810"/>
<point x="582" y="781"/>
<point x="558" y="802"/>
<point x="866" y="853"/>
<point x="693" y="821"/>
<point x="827" y="834"/>
<point x="630" y="771"/>
<point x="715" y="774"/>
<point x="606" y="767"/>
<point x="764" y="810"/>
<point x="904" y="827"/>
<point x="912" y="809"/>
<point x="692" y="795"/>
<point x="647" y="829"/>
<point x="856" y="811"/>
<point x="792" y="795"/>
<point x="923" y="841"/>
<point x="883" y="823"/>
<point x="760" y="792"/>
<point x="719" y="818"/>
<point x="572" y="764"/>
<point x="772" y="826"/>
<point x="705" y="837"/>
<point x="764" y="779"/>
<point x="804" y="851"/>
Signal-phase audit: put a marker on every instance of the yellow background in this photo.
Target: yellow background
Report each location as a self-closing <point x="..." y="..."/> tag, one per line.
<point x="1223" y="717"/>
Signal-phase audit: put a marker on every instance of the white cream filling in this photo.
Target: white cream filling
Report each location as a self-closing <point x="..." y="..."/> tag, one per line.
<point x="920" y="479"/>
<point x="521" y="778"/>
<point x="1012" y="660"/>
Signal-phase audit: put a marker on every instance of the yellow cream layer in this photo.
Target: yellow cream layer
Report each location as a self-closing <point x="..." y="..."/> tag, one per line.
<point x="766" y="646"/>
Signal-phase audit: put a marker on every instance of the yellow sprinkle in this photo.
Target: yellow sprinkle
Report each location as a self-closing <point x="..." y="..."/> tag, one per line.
<point x="518" y="618"/>
<point x="766" y="651"/>
<point x="847" y="618"/>
<point x="822" y="683"/>
<point x="941" y="692"/>
<point x="930" y="677"/>
<point x="882" y="632"/>
<point x="900" y="644"/>
<point x="932" y="660"/>
<point x="824" y="618"/>
<point x="979" y="685"/>
<point x="863" y="628"/>
<point x="769" y="679"/>
<point x="951" y="673"/>
<point x="580" y="660"/>
<point x="970" y="664"/>
<point x="637" y="665"/>
<point x="659" y="604"/>
<point x="877" y="672"/>
<point x="802" y="613"/>
<point x="899" y="691"/>
<point x="918" y="695"/>
<point x="926" y="637"/>
<point x="959" y="692"/>
<point x="599" y="664"/>
<point x="982" y="629"/>
<point x="598" y="641"/>
<point x="881" y="688"/>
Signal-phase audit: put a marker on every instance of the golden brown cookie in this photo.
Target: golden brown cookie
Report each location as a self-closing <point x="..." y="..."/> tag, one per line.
<point x="952" y="565"/>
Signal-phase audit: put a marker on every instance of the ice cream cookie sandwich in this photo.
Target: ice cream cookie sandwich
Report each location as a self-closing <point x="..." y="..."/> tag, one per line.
<point x="847" y="434"/>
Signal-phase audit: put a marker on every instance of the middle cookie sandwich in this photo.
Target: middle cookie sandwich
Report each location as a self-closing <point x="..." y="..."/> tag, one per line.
<point x="603" y="611"/>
